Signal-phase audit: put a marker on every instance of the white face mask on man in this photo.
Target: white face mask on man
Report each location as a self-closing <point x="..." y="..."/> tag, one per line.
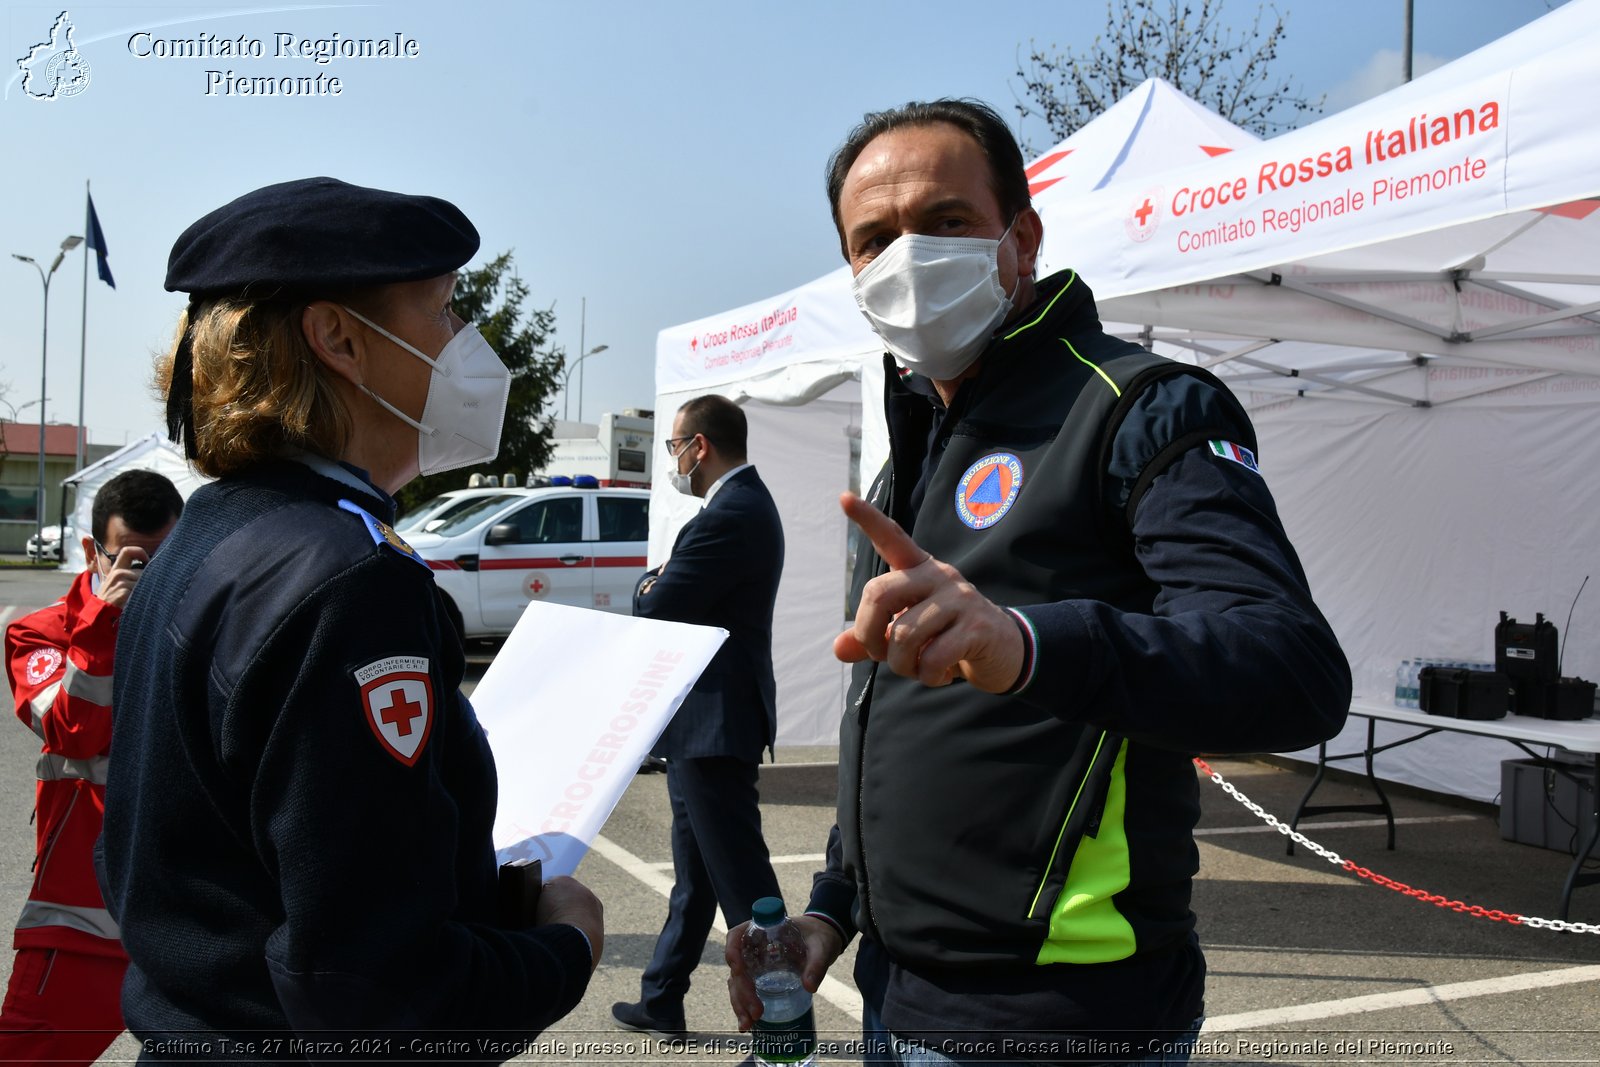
<point x="934" y="301"/>
<point x="466" y="405"/>
<point x="682" y="481"/>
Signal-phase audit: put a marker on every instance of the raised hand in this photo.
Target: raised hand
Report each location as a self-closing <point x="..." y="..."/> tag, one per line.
<point x="923" y="618"/>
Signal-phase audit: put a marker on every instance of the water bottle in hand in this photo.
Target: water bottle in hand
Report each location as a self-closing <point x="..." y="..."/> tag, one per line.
<point x="775" y="954"/>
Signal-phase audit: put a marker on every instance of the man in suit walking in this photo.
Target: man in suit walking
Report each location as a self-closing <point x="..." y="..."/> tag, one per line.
<point x="723" y="571"/>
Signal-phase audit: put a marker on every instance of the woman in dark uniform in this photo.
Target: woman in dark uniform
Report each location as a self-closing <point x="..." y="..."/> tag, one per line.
<point x="297" y="836"/>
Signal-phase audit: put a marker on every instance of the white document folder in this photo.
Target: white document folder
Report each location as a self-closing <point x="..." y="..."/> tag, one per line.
<point x="571" y="704"/>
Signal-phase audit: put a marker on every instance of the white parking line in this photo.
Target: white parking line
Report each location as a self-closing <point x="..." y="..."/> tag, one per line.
<point x="1331" y="1009"/>
<point x="648" y="873"/>
<point x="5" y="615"/>
<point x="835" y="992"/>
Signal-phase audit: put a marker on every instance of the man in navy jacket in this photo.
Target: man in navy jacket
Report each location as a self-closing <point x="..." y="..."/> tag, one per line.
<point x="723" y="571"/>
<point x="1077" y="532"/>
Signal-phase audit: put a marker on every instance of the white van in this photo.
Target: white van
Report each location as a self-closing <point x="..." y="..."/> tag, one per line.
<point x="496" y="554"/>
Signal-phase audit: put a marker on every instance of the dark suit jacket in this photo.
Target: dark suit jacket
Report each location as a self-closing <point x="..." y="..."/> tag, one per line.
<point x="724" y="572"/>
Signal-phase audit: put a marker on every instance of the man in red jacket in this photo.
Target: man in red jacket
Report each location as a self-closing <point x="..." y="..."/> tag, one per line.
<point x="63" y="1004"/>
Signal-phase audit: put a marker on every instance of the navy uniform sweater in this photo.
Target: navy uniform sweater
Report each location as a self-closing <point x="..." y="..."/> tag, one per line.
<point x="1163" y="610"/>
<point x="297" y="837"/>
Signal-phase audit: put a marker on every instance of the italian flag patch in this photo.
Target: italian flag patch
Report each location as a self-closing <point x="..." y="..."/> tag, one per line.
<point x="1237" y="453"/>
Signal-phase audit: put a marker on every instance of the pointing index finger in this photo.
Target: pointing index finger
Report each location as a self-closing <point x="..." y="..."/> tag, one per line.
<point x="895" y="546"/>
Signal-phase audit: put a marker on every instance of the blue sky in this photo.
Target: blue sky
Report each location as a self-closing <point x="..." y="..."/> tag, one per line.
<point x="660" y="161"/>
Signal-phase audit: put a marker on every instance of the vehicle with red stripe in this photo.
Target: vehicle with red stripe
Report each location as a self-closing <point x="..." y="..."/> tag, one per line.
<point x="580" y="545"/>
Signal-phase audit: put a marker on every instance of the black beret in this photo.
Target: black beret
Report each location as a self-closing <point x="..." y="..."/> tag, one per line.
<point x="319" y="233"/>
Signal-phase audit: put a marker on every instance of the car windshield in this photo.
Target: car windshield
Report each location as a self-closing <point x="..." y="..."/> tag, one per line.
<point x="425" y="511"/>
<point x="430" y="517"/>
<point x="465" y="516"/>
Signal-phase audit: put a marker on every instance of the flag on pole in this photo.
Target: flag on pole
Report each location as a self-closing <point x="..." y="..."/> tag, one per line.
<point x="97" y="241"/>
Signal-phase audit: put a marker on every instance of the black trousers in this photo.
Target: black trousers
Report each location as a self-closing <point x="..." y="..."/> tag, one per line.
<point x="718" y="858"/>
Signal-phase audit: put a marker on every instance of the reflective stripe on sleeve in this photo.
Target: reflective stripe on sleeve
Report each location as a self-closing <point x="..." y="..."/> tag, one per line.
<point x="96" y="921"/>
<point x="81" y="685"/>
<point x="41" y="703"/>
<point x="53" y="767"/>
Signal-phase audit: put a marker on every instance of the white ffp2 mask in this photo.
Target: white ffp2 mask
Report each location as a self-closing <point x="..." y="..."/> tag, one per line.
<point x="466" y="405"/>
<point x="934" y="301"/>
<point x="683" y="482"/>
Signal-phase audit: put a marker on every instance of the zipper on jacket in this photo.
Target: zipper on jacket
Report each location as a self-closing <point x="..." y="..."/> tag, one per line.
<point x="1092" y="828"/>
<point x="49" y="965"/>
<point x="1086" y="783"/>
<point x="862" y="704"/>
<point x="861" y="803"/>
<point x="42" y="860"/>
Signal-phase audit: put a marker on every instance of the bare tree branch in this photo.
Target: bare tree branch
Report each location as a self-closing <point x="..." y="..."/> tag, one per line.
<point x="1184" y="42"/>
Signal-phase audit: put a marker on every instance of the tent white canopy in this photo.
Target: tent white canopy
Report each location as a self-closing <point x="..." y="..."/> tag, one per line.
<point x="801" y="363"/>
<point x="1452" y="218"/>
<point x="152" y="452"/>
<point x="1407" y="297"/>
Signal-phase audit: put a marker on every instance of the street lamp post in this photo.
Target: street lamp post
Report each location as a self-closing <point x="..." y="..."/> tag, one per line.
<point x="567" y="377"/>
<point x="67" y="245"/>
<point x="15" y="410"/>
<point x="583" y="322"/>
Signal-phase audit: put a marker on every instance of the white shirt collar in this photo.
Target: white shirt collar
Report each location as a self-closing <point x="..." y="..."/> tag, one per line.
<point x="711" y="492"/>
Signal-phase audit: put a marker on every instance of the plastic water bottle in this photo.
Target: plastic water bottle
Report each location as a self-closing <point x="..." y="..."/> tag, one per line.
<point x="775" y="954"/>
<point x="1402" y="675"/>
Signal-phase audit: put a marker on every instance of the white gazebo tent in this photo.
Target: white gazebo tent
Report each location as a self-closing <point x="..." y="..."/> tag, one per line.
<point x="801" y="363"/>
<point x="152" y="452"/>
<point x="1407" y="297"/>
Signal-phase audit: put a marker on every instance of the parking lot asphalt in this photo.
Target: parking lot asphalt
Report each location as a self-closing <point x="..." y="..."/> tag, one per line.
<point x="1308" y="963"/>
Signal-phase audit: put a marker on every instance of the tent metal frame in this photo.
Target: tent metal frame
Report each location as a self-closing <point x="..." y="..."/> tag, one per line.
<point x="1363" y="376"/>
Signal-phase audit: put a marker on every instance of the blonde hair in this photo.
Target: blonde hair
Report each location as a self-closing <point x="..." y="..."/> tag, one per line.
<point x="259" y="390"/>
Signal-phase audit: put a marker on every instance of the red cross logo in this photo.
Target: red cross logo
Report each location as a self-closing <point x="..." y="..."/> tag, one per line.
<point x="400" y="713"/>
<point x="1144" y="215"/>
<point x="537" y="585"/>
<point x="397" y="697"/>
<point x="42" y="663"/>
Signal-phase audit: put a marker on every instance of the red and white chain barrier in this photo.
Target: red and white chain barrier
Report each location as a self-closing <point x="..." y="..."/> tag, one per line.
<point x="1389" y="883"/>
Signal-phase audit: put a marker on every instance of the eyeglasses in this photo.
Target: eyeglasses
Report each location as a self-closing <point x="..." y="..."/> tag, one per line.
<point x="111" y="557"/>
<point x="679" y="442"/>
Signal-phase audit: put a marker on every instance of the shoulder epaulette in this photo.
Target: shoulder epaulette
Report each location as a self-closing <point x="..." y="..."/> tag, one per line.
<point x="382" y="533"/>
